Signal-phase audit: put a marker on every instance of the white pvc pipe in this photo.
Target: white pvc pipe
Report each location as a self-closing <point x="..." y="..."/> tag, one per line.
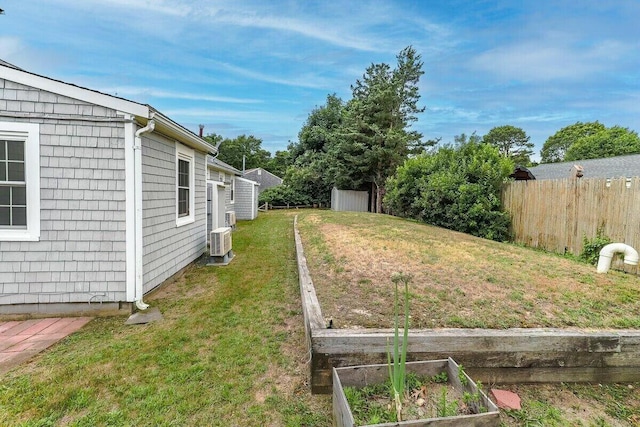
<point x="606" y="254"/>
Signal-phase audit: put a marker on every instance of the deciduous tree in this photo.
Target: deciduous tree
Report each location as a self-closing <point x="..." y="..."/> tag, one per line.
<point x="456" y="187"/>
<point x="232" y="151"/>
<point x="556" y="146"/>
<point x="511" y="142"/>
<point x="614" y="141"/>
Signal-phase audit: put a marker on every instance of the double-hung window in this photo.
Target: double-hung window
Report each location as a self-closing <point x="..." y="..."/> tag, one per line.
<point x="233" y="189"/>
<point x="19" y="181"/>
<point x="185" y="185"/>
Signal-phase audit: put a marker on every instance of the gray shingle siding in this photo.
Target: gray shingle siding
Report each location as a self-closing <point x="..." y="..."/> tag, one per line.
<point x="246" y="205"/>
<point x="81" y="252"/>
<point x="168" y="248"/>
<point x="228" y="204"/>
<point x="263" y="177"/>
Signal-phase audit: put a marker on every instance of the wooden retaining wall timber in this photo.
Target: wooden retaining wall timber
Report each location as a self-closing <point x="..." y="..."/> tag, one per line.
<point x="504" y="356"/>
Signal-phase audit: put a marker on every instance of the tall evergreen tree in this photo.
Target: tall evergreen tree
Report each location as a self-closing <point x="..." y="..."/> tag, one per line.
<point x="376" y="137"/>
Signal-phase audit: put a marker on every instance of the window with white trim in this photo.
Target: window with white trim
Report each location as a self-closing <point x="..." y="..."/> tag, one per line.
<point x="233" y="189"/>
<point x="185" y="185"/>
<point x="19" y="181"/>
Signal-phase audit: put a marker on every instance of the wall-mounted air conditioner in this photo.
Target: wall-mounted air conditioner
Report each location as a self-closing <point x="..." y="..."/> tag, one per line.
<point x="230" y="218"/>
<point x="220" y="241"/>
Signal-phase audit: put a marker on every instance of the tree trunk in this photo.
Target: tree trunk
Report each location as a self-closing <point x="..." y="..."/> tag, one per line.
<point x="379" y="200"/>
<point x="373" y="197"/>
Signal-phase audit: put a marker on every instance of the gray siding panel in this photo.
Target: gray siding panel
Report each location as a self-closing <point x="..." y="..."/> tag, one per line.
<point x="349" y="200"/>
<point x="168" y="248"/>
<point x="81" y="253"/>
<point x="246" y="205"/>
<point x="263" y="177"/>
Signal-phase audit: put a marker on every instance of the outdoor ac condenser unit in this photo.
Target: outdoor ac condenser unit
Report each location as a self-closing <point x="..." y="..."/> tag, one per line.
<point x="220" y="241"/>
<point x="230" y="218"/>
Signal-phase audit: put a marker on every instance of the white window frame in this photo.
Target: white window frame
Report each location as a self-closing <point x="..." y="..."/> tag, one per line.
<point x="232" y="196"/>
<point x="186" y="154"/>
<point x="30" y="134"/>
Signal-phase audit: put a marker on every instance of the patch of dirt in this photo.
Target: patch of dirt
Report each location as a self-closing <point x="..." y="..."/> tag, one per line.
<point x="573" y="408"/>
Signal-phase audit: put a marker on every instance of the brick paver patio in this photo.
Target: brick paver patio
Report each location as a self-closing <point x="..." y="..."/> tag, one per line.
<point x="22" y="339"/>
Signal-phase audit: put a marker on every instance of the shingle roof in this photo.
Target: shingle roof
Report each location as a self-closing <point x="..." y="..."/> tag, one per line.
<point x="6" y="64"/>
<point x="610" y="167"/>
<point x="211" y="161"/>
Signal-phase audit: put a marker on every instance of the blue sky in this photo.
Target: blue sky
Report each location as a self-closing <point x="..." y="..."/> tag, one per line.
<point x="260" y="67"/>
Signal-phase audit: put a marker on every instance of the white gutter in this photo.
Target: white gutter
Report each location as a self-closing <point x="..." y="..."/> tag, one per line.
<point x="606" y="254"/>
<point x="137" y="155"/>
<point x="171" y="129"/>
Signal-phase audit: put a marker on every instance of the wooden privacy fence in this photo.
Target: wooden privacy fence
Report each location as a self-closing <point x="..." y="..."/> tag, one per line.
<point x="556" y="215"/>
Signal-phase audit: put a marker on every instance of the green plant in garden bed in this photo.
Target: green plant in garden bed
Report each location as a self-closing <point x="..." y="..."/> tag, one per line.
<point x="397" y="366"/>
<point x="405" y="395"/>
<point x="425" y="397"/>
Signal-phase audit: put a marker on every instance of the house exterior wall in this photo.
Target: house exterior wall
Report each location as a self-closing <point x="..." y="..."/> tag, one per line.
<point x="80" y="256"/>
<point x="263" y="177"/>
<point x="246" y="205"/>
<point x="229" y="205"/>
<point x="349" y="200"/>
<point x="167" y="247"/>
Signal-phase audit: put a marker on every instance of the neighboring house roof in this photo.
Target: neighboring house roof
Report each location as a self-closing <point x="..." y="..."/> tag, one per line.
<point x="522" y="174"/>
<point x="264" y="177"/>
<point x="610" y="167"/>
<point x="142" y="113"/>
<point x="219" y="164"/>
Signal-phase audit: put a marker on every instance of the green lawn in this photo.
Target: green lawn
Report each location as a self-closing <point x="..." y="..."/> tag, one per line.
<point x="229" y="352"/>
<point x="459" y="281"/>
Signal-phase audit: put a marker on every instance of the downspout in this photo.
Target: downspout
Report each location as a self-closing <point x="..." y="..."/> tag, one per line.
<point x="606" y="254"/>
<point x="137" y="153"/>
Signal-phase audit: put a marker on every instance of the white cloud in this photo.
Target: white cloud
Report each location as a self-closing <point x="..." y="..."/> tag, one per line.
<point x="235" y="116"/>
<point x="10" y="46"/>
<point x="155" y="93"/>
<point x="163" y="7"/>
<point x="552" y="58"/>
<point x="337" y="30"/>
<point x="308" y="80"/>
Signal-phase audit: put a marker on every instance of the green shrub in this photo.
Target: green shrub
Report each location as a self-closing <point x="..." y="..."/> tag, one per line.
<point x="283" y="195"/>
<point x="456" y="187"/>
<point x="591" y="247"/>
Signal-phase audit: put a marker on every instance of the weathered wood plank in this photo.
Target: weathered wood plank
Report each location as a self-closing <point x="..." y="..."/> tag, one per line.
<point x="310" y="305"/>
<point x="539" y="355"/>
<point x="621" y="374"/>
<point x="495" y="360"/>
<point x="340" y="341"/>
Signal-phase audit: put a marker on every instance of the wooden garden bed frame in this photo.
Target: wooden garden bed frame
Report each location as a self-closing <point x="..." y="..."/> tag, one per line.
<point x="540" y="355"/>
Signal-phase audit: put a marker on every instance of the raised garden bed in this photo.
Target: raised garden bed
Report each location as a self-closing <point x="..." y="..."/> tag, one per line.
<point x="509" y="355"/>
<point x="444" y="395"/>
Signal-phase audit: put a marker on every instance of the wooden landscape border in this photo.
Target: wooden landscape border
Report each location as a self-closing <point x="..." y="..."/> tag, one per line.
<point x="492" y="356"/>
